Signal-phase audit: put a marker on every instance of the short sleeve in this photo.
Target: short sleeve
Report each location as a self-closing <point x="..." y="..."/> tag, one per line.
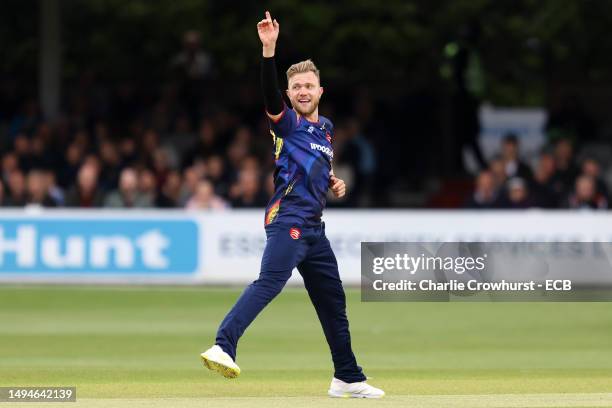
<point x="286" y="124"/>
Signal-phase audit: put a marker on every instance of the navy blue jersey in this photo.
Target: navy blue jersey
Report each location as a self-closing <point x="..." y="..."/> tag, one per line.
<point x="303" y="154"/>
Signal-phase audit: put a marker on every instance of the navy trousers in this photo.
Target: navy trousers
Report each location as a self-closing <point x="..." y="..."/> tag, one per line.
<point x="308" y="249"/>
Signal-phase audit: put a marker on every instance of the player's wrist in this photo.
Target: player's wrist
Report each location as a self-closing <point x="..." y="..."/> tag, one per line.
<point x="268" y="50"/>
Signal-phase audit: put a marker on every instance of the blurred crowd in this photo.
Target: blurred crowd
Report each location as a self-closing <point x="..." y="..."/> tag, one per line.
<point x="221" y="164"/>
<point x="158" y="158"/>
<point x="556" y="179"/>
<point x="193" y="142"/>
<point x="216" y="165"/>
<point x="176" y="146"/>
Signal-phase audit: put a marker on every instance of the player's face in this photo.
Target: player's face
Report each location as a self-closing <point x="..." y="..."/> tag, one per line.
<point x="304" y="92"/>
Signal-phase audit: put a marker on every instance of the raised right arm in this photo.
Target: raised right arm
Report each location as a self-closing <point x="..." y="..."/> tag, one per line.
<point x="273" y="100"/>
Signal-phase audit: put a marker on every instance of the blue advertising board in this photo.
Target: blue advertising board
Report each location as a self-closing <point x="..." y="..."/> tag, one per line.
<point x="82" y="245"/>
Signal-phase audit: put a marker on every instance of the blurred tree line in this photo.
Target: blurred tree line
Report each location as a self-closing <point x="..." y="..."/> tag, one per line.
<point x="524" y="45"/>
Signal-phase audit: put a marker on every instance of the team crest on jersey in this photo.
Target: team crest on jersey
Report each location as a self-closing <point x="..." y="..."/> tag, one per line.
<point x="295" y="233"/>
<point x="328" y="137"/>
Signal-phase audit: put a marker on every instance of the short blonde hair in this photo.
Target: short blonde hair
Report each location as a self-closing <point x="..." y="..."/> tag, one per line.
<point x="301" y="67"/>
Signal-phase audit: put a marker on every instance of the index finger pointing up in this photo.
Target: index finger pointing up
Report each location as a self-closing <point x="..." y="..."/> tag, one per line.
<point x="268" y="16"/>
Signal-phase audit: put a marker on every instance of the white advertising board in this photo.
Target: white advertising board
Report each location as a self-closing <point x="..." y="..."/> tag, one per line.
<point x="225" y="247"/>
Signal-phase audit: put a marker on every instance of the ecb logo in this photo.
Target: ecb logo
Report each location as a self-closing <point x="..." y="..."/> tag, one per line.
<point x="109" y="246"/>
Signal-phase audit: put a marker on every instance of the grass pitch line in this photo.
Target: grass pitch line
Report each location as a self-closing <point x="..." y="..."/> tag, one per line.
<point x="412" y="401"/>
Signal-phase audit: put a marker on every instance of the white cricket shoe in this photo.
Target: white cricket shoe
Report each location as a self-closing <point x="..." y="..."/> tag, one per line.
<point x="340" y="389"/>
<point x="216" y="359"/>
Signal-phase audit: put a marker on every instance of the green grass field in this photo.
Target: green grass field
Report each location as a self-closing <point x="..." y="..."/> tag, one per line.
<point x="139" y="347"/>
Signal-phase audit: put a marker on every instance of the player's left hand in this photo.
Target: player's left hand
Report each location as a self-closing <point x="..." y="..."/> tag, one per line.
<point x="337" y="186"/>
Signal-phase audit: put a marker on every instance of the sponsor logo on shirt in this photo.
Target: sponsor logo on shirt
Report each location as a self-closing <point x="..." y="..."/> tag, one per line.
<point x="323" y="149"/>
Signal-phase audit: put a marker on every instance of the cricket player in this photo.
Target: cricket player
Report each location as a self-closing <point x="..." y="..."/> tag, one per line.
<point x="295" y="233"/>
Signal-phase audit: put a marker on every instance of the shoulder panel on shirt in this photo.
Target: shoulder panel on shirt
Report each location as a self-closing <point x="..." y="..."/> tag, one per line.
<point x="284" y="125"/>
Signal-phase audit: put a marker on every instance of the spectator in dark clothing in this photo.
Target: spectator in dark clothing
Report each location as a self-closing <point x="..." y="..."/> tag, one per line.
<point x="498" y="171"/>
<point x="591" y="167"/>
<point x="111" y="166"/>
<point x="127" y="149"/>
<point x="147" y="185"/>
<point x="217" y="174"/>
<point x="358" y="151"/>
<point x="513" y="165"/>
<point x="149" y="143"/>
<point x="517" y="195"/>
<point x="68" y="172"/>
<point x="191" y="177"/>
<point x="247" y="191"/>
<point x="56" y="193"/>
<point x="22" y="148"/>
<point x="564" y="162"/>
<point x="585" y="195"/>
<point x="170" y="194"/>
<point x="85" y="193"/>
<point x="545" y="187"/>
<point x="17" y="196"/>
<point x="38" y="191"/>
<point x="238" y="158"/>
<point x="161" y="165"/>
<point x="41" y="154"/>
<point x="485" y="193"/>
